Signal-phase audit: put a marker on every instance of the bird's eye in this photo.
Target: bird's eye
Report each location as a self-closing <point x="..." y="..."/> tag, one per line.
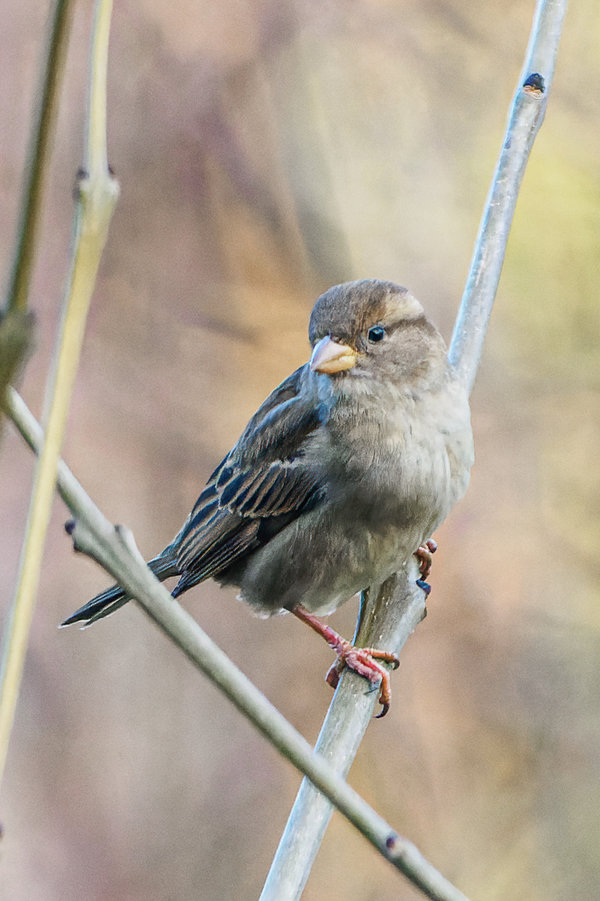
<point x="375" y="334"/>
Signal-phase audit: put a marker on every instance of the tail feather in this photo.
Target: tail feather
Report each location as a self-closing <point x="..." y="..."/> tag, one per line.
<point x="163" y="566"/>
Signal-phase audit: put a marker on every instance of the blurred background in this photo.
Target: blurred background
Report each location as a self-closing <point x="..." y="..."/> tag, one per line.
<point x="265" y="151"/>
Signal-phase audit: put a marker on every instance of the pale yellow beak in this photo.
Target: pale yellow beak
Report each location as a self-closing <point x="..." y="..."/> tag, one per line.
<point x="329" y="356"/>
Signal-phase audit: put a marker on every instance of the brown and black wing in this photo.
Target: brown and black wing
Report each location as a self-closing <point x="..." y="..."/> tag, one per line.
<point x="262" y="485"/>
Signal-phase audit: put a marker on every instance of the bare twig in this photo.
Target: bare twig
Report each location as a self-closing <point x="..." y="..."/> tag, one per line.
<point x="97" y="197"/>
<point x="16" y="332"/>
<point x="39" y="158"/>
<point x="115" y="550"/>
<point x="16" y="323"/>
<point x="526" y="116"/>
<point x="393" y="614"/>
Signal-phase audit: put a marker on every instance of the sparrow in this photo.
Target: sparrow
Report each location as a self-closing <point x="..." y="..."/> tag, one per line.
<point x="338" y="479"/>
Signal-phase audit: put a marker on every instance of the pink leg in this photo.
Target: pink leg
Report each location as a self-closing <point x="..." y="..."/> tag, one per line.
<point x="363" y="661"/>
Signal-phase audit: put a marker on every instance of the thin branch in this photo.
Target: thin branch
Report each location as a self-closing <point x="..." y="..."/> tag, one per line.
<point x="16" y="334"/>
<point x="115" y="550"/>
<point x="39" y="158"/>
<point x="392" y="615"/>
<point x="16" y="324"/>
<point x="98" y="194"/>
<point x="526" y="116"/>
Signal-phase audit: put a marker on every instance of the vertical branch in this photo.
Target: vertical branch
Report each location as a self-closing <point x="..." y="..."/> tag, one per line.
<point x="16" y="324"/>
<point x="97" y="198"/>
<point x="399" y="604"/>
<point x="39" y="158"/>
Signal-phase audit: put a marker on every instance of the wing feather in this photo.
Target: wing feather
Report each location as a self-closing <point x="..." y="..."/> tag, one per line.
<point x="265" y="482"/>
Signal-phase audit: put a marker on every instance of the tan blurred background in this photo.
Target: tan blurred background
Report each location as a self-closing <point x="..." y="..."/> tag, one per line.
<point x="265" y="151"/>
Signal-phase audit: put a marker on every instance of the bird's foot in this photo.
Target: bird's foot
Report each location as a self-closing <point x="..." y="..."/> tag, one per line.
<point x="424" y="555"/>
<point x="364" y="661"/>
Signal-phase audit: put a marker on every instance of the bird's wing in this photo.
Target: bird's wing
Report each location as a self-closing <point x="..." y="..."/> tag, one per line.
<point x="264" y="483"/>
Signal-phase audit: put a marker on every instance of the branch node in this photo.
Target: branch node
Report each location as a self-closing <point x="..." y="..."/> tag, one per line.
<point x="534" y="84"/>
<point x="82" y="540"/>
<point x="390" y="842"/>
<point x="125" y="536"/>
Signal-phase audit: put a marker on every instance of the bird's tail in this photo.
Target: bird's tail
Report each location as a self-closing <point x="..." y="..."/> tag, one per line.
<point x="163" y="566"/>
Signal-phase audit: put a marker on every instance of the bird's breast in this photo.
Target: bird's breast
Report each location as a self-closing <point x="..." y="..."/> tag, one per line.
<point x="407" y="467"/>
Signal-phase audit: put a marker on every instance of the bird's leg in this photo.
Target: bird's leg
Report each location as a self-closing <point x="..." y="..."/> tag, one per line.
<point x="363" y="661"/>
<point x="424" y="555"/>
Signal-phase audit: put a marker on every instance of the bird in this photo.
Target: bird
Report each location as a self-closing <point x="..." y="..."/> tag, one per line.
<point x="342" y="474"/>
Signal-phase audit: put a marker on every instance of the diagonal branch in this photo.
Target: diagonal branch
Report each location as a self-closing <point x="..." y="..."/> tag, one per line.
<point x="526" y="116"/>
<point x="399" y="605"/>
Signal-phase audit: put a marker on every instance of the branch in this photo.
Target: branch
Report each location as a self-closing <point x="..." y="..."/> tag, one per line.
<point x="16" y="334"/>
<point x="115" y="550"/>
<point x="525" y="118"/>
<point x="39" y="158"/>
<point x="395" y="609"/>
<point x="96" y="201"/>
<point x="16" y="324"/>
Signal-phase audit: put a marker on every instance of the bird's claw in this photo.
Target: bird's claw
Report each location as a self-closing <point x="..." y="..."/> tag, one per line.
<point x="424" y="555"/>
<point x="365" y="662"/>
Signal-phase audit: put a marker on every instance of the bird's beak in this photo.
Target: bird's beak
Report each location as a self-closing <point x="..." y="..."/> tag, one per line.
<point x="330" y="356"/>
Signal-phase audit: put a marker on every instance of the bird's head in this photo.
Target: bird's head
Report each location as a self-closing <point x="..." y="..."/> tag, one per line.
<point x="373" y="328"/>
